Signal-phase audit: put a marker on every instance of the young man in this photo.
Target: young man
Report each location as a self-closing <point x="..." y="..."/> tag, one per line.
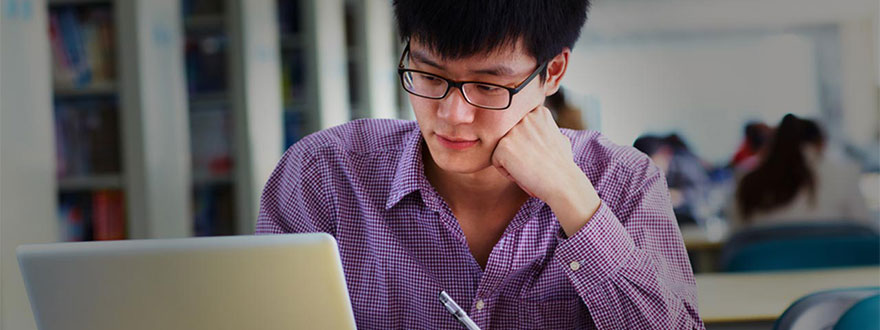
<point x="523" y="224"/>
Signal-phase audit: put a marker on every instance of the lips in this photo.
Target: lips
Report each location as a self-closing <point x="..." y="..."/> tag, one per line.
<point x="456" y="143"/>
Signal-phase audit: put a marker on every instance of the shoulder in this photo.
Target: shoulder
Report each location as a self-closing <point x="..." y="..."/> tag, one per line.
<point x="330" y="152"/>
<point x="358" y="137"/>
<point x="600" y="156"/>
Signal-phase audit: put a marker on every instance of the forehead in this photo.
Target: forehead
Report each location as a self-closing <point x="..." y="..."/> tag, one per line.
<point x="511" y="55"/>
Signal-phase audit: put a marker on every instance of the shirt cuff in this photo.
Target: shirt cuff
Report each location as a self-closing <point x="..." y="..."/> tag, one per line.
<point x="596" y="251"/>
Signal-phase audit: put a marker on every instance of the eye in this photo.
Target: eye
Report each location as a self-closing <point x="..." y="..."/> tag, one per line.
<point x="428" y="79"/>
<point x="489" y="89"/>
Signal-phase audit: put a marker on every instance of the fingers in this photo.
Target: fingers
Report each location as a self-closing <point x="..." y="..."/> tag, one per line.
<point x="511" y="178"/>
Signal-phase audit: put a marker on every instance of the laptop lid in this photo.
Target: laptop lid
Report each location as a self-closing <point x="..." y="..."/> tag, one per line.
<point x="236" y="282"/>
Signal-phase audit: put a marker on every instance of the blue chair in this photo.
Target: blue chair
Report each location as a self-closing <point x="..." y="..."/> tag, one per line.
<point x="799" y="246"/>
<point x="821" y="310"/>
<point x="864" y="315"/>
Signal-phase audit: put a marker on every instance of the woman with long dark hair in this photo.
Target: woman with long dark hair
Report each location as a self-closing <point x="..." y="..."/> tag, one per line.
<point x="796" y="182"/>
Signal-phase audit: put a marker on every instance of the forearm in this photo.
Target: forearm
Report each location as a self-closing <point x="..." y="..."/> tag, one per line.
<point x="623" y="285"/>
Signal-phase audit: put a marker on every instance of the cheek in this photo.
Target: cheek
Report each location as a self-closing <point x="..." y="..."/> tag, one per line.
<point x="495" y="124"/>
<point x="523" y="103"/>
<point x="423" y="111"/>
<point x="422" y="108"/>
<point x="505" y="120"/>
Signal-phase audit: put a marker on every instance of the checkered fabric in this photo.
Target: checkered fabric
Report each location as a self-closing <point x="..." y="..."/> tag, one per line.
<point x="363" y="182"/>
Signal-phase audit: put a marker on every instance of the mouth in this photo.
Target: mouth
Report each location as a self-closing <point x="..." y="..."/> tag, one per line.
<point x="456" y="143"/>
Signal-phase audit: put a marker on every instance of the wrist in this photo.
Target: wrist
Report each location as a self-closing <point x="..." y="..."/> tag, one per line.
<point x="575" y="202"/>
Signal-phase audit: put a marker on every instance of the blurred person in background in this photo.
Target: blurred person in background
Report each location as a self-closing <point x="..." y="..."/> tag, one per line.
<point x="797" y="182"/>
<point x="686" y="175"/>
<point x="566" y="114"/>
<point x="656" y="148"/>
<point x="748" y="155"/>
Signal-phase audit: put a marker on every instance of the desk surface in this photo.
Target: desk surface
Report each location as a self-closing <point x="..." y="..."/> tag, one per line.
<point x="696" y="238"/>
<point x="745" y="297"/>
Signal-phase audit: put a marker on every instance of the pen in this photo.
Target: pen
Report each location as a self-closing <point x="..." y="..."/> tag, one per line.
<point x="456" y="311"/>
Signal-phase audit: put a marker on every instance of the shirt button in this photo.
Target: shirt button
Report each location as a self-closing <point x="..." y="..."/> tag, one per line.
<point x="480" y="304"/>
<point x="574" y="265"/>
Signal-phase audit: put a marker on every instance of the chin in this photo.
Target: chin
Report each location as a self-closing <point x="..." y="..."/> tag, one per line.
<point x="463" y="163"/>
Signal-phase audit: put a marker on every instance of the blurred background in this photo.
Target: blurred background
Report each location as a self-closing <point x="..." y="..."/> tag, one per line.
<point x="131" y="119"/>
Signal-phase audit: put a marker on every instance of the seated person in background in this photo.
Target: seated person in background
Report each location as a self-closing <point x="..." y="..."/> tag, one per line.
<point x="686" y="176"/>
<point x="524" y="224"/>
<point x="565" y="113"/>
<point x="687" y="173"/>
<point x="797" y="182"/>
<point x="748" y="155"/>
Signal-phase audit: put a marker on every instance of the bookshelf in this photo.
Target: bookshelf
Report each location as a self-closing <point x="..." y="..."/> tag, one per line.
<point x="151" y="177"/>
<point x="298" y="99"/>
<point x="116" y="105"/>
<point x="86" y="115"/>
<point x="207" y="70"/>
<point x="355" y="35"/>
<point x="235" y="135"/>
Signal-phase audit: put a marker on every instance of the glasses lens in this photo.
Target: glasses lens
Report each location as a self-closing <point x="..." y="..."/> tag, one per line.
<point x="423" y="84"/>
<point x="486" y="96"/>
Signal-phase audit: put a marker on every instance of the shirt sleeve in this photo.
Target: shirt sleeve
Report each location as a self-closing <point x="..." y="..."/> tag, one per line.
<point x="297" y="197"/>
<point x="632" y="270"/>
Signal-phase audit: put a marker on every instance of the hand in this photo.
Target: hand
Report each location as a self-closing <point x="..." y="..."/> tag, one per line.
<point x="538" y="158"/>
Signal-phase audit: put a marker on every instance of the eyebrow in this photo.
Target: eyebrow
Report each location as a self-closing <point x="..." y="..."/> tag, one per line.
<point x="497" y="70"/>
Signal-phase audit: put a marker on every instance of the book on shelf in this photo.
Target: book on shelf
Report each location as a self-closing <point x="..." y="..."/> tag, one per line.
<point x="211" y="141"/>
<point x="191" y="8"/>
<point x="214" y="210"/>
<point x="98" y="215"/>
<point x="206" y="61"/>
<point x="81" y="38"/>
<point x="108" y="208"/>
<point x="293" y="78"/>
<point x="86" y="137"/>
<point x="293" y="126"/>
<point x="289" y="17"/>
<point x="75" y="213"/>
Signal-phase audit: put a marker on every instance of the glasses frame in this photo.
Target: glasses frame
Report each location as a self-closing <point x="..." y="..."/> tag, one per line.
<point x="401" y="70"/>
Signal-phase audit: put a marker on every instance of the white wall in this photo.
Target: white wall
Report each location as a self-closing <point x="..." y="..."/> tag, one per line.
<point x="703" y="88"/>
<point x="662" y="55"/>
<point x="27" y="163"/>
<point x="858" y="88"/>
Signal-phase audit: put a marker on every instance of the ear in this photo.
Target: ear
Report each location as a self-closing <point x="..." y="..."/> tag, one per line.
<point x="555" y="71"/>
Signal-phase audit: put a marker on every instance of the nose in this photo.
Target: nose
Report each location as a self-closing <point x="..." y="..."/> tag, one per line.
<point x="455" y="110"/>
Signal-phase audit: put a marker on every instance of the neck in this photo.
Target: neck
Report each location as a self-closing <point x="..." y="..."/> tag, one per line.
<point x="472" y="190"/>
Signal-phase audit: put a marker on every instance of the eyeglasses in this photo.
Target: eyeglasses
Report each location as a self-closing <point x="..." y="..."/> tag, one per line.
<point x="480" y="94"/>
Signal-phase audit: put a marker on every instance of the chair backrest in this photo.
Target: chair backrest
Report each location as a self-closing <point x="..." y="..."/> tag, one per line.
<point x="821" y="310"/>
<point x="806" y="245"/>
<point x="864" y="315"/>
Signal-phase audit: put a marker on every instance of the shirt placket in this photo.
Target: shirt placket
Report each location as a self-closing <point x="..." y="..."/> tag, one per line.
<point x="497" y="268"/>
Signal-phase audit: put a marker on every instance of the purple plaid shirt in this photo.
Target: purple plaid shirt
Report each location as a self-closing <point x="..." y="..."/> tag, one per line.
<point x="364" y="183"/>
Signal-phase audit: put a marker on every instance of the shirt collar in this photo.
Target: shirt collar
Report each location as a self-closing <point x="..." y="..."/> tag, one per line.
<point x="409" y="175"/>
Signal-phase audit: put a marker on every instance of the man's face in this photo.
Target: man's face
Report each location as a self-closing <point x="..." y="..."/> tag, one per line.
<point x="461" y="137"/>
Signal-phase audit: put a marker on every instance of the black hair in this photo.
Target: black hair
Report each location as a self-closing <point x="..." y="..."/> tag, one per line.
<point x="675" y="142"/>
<point x="779" y="178"/>
<point x="457" y="29"/>
<point x="556" y="100"/>
<point x="756" y="134"/>
<point x="648" y="144"/>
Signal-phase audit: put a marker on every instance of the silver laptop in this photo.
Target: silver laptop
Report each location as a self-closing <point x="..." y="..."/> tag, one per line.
<point x="237" y="282"/>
